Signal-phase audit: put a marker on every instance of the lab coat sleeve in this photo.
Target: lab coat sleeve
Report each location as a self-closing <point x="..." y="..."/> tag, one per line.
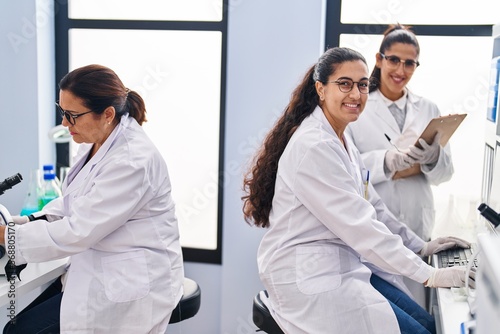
<point x="410" y="239"/>
<point x="111" y="201"/>
<point x="443" y="170"/>
<point x="54" y="210"/>
<point x="332" y="196"/>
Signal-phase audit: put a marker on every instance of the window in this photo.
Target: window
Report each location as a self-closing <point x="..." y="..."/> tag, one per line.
<point x="151" y="10"/>
<point x="421" y="12"/>
<point x="173" y="54"/>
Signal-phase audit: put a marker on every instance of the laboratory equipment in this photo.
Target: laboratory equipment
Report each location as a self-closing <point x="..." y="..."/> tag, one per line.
<point x="488" y="286"/>
<point x="30" y="203"/>
<point x="9" y="182"/>
<point x="49" y="189"/>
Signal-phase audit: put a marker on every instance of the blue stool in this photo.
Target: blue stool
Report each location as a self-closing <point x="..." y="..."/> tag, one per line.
<point x="189" y="304"/>
<point x="262" y="317"/>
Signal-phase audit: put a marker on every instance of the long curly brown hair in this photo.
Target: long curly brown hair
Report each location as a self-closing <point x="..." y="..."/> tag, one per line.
<point x="259" y="182"/>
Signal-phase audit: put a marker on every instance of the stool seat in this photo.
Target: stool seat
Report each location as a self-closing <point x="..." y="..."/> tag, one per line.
<point x="189" y="304"/>
<point x="262" y="318"/>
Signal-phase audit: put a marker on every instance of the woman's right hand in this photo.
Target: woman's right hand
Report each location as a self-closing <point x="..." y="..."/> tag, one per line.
<point x="20" y="219"/>
<point x="451" y="277"/>
<point x="397" y="161"/>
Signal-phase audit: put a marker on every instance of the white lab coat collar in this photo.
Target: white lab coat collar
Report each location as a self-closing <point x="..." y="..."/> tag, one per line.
<point x="80" y="170"/>
<point x="382" y="108"/>
<point x="400" y="103"/>
<point x="320" y="115"/>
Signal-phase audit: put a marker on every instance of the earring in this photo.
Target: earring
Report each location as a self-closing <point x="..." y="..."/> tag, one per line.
<point x="321" y="97"/>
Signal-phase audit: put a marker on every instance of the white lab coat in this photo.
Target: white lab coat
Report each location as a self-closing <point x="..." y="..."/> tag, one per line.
<point x="410" y="199"/>
<point x="116" y="221"/>
<point x="322" y="231"/>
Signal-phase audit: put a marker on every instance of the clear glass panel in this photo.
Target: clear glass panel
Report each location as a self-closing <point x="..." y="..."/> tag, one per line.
<point x="160" y="10"/>
<point x="178" y="73"/>
<point x="458" y="82"/>
<point x="442" y="12"/>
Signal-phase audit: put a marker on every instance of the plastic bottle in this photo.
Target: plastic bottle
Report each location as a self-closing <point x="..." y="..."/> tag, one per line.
<point x="50" y="188"/>
<point x="30" y="204"/>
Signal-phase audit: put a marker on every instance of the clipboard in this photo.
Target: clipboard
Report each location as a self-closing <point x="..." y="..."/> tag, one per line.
<point x="446" y="125"/>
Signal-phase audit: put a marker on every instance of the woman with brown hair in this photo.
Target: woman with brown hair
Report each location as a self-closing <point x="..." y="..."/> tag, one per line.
<point x="116" y="220"/>
<point x="327" y="225"/>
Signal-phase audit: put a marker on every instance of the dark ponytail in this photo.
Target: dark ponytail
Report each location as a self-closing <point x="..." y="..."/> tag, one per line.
<point x="99" y="87"/>
<point x="136" y="107"/>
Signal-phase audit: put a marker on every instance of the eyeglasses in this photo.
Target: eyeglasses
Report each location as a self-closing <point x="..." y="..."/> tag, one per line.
<point x="346" y="85"/>
<point x="409" y="65"/>
<point x="69" y="116"/>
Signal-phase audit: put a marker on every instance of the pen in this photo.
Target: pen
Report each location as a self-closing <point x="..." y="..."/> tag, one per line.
<point x="390" y="142"/>
<point x="366" y="181"/>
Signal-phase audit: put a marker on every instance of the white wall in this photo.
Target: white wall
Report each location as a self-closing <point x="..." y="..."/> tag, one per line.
<point x="271" y="45"/>
<point x="26" y="100"/>
<point x="26" y="92"/>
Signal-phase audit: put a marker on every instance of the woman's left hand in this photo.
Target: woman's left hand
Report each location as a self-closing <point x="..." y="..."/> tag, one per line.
<point x="428" y="154"/>
<point x="440" y="244"/>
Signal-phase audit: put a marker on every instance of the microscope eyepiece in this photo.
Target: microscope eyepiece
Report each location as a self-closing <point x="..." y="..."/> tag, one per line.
<point x="490" y="214"/>
<point x="10" y="182"/>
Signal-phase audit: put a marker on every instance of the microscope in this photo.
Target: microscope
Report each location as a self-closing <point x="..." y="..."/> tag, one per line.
<point x="6" y="184"/>
<point x="11" y="270"/>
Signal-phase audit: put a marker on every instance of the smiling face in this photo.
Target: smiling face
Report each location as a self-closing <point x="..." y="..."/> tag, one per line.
<point x="343" y="108"/>
<point x="394" y="80"/>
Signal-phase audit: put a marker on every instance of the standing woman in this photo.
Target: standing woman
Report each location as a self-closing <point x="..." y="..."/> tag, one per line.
<point x="402" y="176"/>
<point x="116" y="221"/>
<point x="385" y="135"/>
<point x="308" y="187"/>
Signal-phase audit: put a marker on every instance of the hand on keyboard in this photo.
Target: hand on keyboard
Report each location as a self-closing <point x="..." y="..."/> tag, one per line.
<point x="439" y="244"/>
<point x="453" y="277"/>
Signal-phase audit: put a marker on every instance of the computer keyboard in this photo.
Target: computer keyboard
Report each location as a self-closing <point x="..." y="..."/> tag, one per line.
<point x="455" y="257"/>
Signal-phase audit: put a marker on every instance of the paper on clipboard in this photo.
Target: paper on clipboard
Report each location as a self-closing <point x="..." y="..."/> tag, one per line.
<point x="446" y="125"/>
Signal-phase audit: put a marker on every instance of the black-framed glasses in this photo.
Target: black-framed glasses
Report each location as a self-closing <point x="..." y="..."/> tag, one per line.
<point x="69" y="116"/>
<point x="409" y="65"/>
<point x="346" y="85"/>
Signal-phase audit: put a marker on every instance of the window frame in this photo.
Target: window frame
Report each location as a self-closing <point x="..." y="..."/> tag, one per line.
<point x="63" y="24"/>
<point x="334" y="27"/>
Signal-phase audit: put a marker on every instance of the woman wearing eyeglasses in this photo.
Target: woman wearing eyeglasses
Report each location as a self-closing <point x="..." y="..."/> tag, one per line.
<point x="326" y="223"/>
<point x="116" y="221"/>
<point x="393" y="119"/>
